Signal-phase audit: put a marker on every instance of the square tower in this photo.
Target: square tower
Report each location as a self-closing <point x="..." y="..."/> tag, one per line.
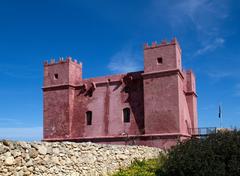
<point x="58" y="94"/>
<point x="163" y="89"/>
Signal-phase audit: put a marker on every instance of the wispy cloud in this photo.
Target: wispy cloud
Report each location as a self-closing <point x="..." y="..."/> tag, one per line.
<point x="126" y="60"/>
<point x="28" y="134"/>
<point x="205" y="18"/>
<point x="218" y="42"/>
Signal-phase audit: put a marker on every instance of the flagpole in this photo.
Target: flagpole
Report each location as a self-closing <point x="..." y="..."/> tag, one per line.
<point x="220" y="114"/>
<point x="220" y="122"/>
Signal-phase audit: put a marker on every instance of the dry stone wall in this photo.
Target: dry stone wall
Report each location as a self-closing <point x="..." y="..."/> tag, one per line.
<point x="68" y="158"/>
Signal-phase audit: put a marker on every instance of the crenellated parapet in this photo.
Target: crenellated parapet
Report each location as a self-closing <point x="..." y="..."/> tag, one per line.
<point x="61" y="60"/>
<point x="155" y="44"/>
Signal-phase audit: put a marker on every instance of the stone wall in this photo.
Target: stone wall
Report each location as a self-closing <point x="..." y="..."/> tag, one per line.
<point x="68" y="158"/>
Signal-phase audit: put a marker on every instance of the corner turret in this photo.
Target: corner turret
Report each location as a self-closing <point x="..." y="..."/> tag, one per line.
<point x="60" y="78"/>
<point x="162" y="57"/>
<point x="63" y="72"/>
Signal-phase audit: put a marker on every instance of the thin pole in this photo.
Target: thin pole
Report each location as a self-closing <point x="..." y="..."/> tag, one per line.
<point x="220" y="114"/>
<point x="220" y="122"/>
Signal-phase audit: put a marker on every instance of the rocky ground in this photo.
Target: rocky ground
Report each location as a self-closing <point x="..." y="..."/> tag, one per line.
<point x="67" y="158"/>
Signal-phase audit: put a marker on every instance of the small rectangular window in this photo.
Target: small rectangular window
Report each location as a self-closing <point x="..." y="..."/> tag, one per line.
<point x="56" y="76"/>
<point x="126" y="115"/>
<point x="89" y="117"/>
<point x="159" y="60"/>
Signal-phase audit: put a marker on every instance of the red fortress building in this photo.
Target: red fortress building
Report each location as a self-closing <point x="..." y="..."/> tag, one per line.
<point x="154" y="107"/>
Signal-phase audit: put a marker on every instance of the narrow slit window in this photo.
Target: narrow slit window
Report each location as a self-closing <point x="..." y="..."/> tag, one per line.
<point x="89" y="117"/>
<point x="159" y="60"/>
<point x="56" y="76"/>
<point x="126" y="115"/>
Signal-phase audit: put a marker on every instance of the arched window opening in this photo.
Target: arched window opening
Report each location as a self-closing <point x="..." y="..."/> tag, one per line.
<point x="89" y="117"/>
<point x="126" y="115"/>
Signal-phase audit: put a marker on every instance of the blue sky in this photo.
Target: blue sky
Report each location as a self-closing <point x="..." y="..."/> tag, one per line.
<point x="108" y="37"/>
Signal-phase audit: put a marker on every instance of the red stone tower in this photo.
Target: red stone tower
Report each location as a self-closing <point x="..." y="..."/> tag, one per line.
<point x="58" y="95"/>
<point x="170" y="110"/>
<point x="161" y="84"/>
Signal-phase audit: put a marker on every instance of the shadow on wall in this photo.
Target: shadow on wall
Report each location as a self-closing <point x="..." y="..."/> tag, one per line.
<point x="134" y="88"/>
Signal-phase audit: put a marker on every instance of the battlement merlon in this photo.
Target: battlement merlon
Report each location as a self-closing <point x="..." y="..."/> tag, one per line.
<point x="61" y="60"/>
<point x="162" y="44"/>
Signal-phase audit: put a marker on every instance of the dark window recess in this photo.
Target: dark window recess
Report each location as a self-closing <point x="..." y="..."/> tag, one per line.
<point x="89" y="117"/>
<point x="55" y="76"/>
<point x="126" y="89"/>
<point x="126" y="115"/>
<point x="159" y="60"/>
<point x="89" y="93"/>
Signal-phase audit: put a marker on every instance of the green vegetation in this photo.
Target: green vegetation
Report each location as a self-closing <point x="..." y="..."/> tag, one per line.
<point x="218" y="154"/>
<point x="143" y="168"/>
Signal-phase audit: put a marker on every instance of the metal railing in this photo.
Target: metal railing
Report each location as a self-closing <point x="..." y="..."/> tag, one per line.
<point x="205" y="131"/>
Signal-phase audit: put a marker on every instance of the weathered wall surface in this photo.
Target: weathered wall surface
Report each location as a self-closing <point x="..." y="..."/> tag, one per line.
<point x="106" y="104"/>
<point x="68" y="158"/>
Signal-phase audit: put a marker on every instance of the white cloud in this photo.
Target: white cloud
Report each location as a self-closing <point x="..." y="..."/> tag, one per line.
<point x="218" y="42"/>
<point x="126" y="60"/>
<point x="203" y="18"/>
<point x="206" y="16"/>
<point x="27" y="134"/>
